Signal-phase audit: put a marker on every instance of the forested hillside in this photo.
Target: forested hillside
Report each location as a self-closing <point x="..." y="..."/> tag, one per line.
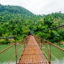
<point x="18" y="21"/>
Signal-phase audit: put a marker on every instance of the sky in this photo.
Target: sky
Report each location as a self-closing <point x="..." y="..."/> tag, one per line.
<point x="38" y="6"/>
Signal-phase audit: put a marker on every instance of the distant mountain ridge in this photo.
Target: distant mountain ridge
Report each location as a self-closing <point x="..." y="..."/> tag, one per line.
<point x="15" y="9"/>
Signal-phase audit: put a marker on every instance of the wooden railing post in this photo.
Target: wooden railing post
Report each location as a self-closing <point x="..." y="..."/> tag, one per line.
<point x="15" y="49"/>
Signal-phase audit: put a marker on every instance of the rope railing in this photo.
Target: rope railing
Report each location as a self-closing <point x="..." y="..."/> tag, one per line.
<point x="8" y="53"/>
<point x="52" y="52"/>
<point x="7" y="48"/>
<point x="5" y="56"/>
<point x="55" y="45"/>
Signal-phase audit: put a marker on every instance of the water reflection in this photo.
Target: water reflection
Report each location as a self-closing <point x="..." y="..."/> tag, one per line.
<point x="58" y="62"/>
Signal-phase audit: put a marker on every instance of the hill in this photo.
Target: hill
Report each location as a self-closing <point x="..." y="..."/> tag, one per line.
<point x="15" y="9"/>
<point x="15" y="20"/>
<point x="8" y="12"/>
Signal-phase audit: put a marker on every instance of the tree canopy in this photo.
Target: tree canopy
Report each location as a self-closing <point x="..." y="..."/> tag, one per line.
<point x="15" y="20"/>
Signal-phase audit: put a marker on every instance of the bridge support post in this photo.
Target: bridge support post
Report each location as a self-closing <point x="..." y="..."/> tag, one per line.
<point x="49" y="62"/>
<point x="16" y="52"/>
<point x="50" y="55"/>
<point x="15" y="49"/>
<point x="50" y="47"/>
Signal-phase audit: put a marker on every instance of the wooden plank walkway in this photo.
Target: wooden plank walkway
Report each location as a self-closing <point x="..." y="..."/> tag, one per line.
<point x="33" y="54"/>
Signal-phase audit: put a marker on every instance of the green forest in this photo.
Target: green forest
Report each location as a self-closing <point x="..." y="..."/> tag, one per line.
<point x="18" y="21"/>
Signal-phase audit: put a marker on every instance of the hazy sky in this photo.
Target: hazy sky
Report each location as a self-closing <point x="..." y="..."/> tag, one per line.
<point x="38" y="6"/>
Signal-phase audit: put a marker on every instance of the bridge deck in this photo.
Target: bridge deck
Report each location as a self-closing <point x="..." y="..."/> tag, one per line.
<point x="33" y="54"/>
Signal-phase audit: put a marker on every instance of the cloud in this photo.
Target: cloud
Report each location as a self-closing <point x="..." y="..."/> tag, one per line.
<point x="38" y="6"/>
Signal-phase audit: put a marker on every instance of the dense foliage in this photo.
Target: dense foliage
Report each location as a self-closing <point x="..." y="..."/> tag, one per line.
<point x="18" y="21"/>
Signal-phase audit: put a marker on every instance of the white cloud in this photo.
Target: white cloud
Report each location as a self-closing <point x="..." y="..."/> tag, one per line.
<point x="38" y="6"/>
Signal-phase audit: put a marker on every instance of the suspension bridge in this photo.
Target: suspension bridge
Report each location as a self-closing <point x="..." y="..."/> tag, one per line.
<point x="32" y="50"/>
<point x="33" y="53"/>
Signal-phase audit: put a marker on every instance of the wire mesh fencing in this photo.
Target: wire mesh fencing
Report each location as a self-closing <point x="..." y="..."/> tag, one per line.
<point x="11" y="53"/>
<point x="53" y="53"/>
<point x="7" y="55"/>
